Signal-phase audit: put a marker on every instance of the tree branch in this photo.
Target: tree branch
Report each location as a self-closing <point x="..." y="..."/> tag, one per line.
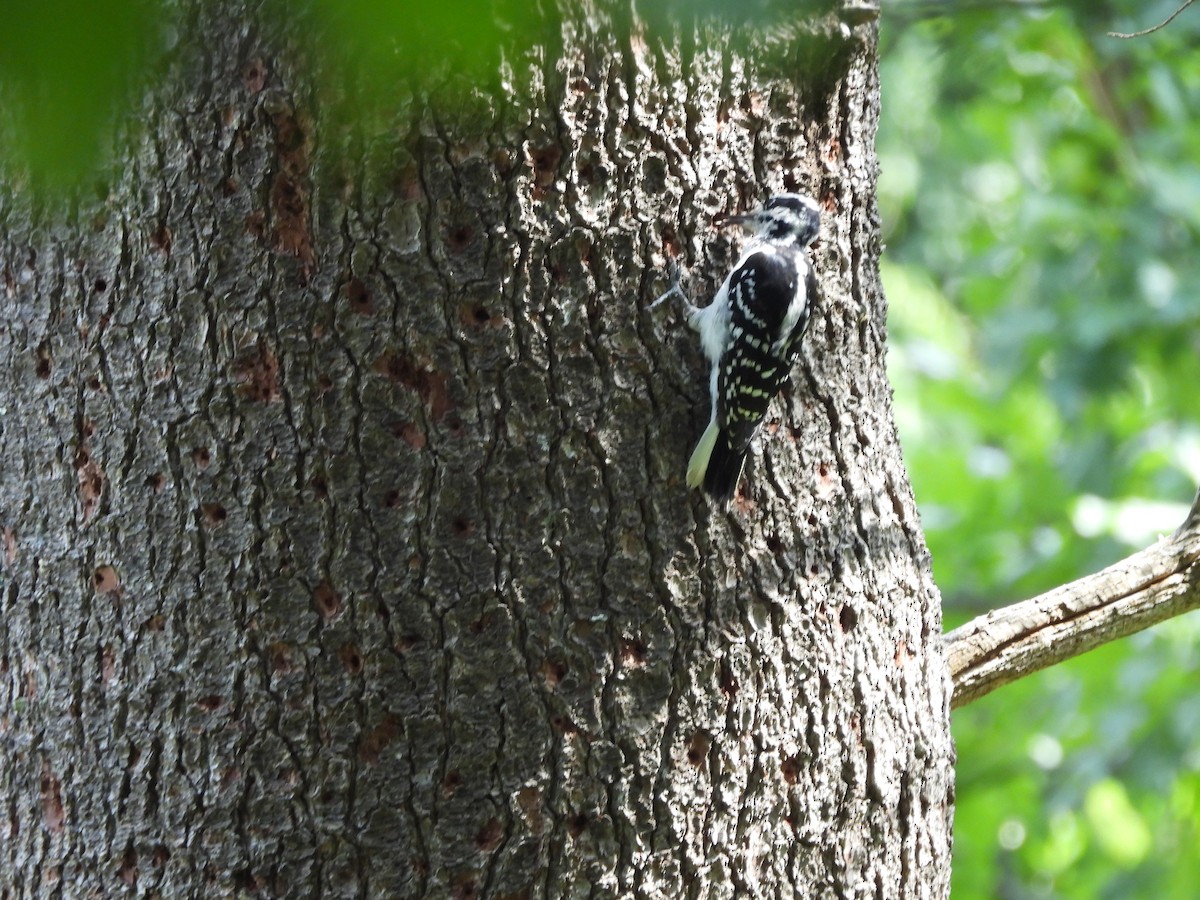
<point x="1156" y="584"/>
<point x="1163" y="24"/>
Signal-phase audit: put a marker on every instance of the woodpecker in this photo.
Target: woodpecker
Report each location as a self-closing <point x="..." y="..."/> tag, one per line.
<point x="751" y="333"/>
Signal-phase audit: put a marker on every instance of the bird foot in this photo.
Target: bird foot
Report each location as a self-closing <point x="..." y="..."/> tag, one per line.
<point x="676" y="274"/>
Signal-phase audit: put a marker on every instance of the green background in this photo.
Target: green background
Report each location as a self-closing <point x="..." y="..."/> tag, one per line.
<point x="1041" y="199"/>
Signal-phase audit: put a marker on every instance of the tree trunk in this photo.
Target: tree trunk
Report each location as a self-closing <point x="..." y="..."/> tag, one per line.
<point x="346" y="546"/>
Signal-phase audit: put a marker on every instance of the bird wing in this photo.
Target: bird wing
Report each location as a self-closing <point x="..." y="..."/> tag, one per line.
<point x="768" y="312"/>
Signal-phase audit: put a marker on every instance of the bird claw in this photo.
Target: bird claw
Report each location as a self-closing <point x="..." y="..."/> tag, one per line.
<point x="675" y="273"/>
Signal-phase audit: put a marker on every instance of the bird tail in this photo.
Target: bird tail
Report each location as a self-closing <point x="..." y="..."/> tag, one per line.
<point x="716" y="464"/>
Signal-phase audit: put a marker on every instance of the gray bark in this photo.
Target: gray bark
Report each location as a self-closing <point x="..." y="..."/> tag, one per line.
<point x="346" y="547"/>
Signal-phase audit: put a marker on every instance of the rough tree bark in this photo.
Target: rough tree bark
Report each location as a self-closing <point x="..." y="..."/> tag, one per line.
<point x="345" y="545"/>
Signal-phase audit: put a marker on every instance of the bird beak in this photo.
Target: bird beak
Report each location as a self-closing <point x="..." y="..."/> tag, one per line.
<point x="726" y="221"/>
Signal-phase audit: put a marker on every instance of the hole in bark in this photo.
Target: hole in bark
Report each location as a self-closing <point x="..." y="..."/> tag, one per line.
<point x="455" y="426"/>
<point x="406" y="642"/>
<point x="775" y="545"/>
<point x="247" y="881"/>
<point x="460" y="237"/>
<point x="698" y="748"/>
<point x="161" y="238"/>
<point x="320" y="487"/>
<point x="352" y="660"/>
<point x="848" y="618"/>
<point x="671" y="247"/>
<point x="373" y="743"/>
<point x="633" y="654"/>
<point x="257" y="373"/>
<point x="214" y="514"/>
<point x="463" y="526"/>
<point x="502" y="160"/>
<point x="105" y="579"/>
<point x="431" y="386"/>
<point x="742" y="500"/>
<point x="100" y="285"/>
<point x="201" y="457"/>
<point x="729" y="683"/>
<point x="392" y="499"/>
<point x="563" y="725"/>
<point x="553" y="671"/>
<point x="128" y="871"/>
<point x="577" y="824"/>
<point x="256" y="224"/>
<point x="280" y="656"/>
<point x="254" y="75"/>
<point x="466" y="887"/>
<point x="452" y="782"/>
<point x="489" y="836"/>
<point x="812" y="519"/>
<point x="43" y="366"/>
<point x="327" y="601"/>
<point x="544" y="161"/>
<point x="791" y="769"/>
<point x="476" y="315"/>
<point x="359" y="297"/>
<point x="156" y="622"/>
<point x="410" y="434"/>
<point x="210" y="702"/>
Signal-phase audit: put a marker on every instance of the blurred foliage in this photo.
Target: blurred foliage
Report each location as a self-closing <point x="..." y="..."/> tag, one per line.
<point x="66" y="67"/>
<point x="71" y="69"/>
<point x="1041" y="199"/>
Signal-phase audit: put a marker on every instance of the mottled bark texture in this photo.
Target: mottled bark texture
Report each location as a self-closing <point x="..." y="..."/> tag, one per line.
<point x="346" y="550"/>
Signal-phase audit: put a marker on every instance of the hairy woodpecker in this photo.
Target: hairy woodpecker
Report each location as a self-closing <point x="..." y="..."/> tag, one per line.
<point x="751" y="333"/>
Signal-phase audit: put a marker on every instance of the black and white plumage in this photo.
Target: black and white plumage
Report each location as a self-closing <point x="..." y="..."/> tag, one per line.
<point x="751" y="334"/>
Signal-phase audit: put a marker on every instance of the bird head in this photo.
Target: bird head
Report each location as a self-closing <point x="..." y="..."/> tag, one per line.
<point x="784" y="219"/>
